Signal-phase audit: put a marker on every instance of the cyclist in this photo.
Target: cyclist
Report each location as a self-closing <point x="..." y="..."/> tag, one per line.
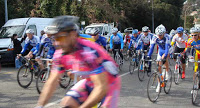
<point x="127" y="37"/>
<point x="134" y="41"/>
<point x="163" y="43"/>
<point x="194" y="42"/>
<point x="180" y="38"/>
<point x="85" y="58"/>
<point x="145" y="39"/>
<point x="46" y="49"/>
<point x="116" y="42"/>
<point x="32" y="44"/>
<point x="98" y="39"/>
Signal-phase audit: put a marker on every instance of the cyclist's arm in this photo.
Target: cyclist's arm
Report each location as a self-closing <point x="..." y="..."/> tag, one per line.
<point x="49" y="88"/>
<point x="130" y="44"/>
<point x="151" y="49"/>
<point x="173" y="41"/>
<point x="100" y="90"/>
<point x="121" y="40"/>
<point x="111" y="42"/>
<point x="166" y="49"/>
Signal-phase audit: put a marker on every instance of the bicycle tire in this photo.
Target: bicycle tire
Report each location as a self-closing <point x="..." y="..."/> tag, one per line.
<point x="141" y="73"/>
<point x="177" y="75"/>
<point x="132" y="67"/>
<point x="168" y="83"/>
<point x="153" y="83"/>
<point x="40" y="81"/>
<point x="195" y="91"/>
<point x="24" y="75"/>
<point x="126" y="56"/>
<point x="65" y="81"/>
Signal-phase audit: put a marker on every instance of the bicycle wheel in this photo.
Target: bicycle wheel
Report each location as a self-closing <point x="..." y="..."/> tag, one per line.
<point x="195" y="96"/>
<point x="42" y="78"/>
<point x="141" y="71"/>
<point x="118" y="61"/>
<point x="24" y="76"/>
<point x="168" y="82"/>
<point x="132" y="67"/>
<point x="153" y="87"/>
<point x="126" y="56"/>
<point x="177" y="75"/>
<point x="65" y="81"/>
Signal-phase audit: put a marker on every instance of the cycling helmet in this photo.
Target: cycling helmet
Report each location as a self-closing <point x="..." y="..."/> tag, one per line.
<point x="63" y="24"/>
<point x="30" y="31"/>
<point x="198" y="28"/>
<point x="87" y="31"/>
<point x="160" y="30"/>
<point x="114" y="30"/>
<point x="94" y="31"/>
<point x="46" y="30"/>
<point x="135" y="31"/>
<point x="194" y="30"/>
<point x="180" y="29"/>
<point x="145" y="29"/>
<point x="126" y="31"/>
<point x="172" y="32"/>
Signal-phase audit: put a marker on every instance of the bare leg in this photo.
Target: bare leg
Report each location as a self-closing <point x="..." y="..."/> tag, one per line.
<point x="69" y="101"/>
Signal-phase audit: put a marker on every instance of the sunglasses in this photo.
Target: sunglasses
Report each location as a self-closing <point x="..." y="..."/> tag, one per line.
<point x="194" y="35"/>
<point x="59" y="37"/>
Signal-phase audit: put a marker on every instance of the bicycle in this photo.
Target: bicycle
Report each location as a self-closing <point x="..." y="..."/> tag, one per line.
<point x="158" y="81"/>
<point x="125" y="54"/>
<point x="195" y="88"/>
<point x="118" y="59"/>
<point x="142" y="66"/>
<point x="44" y="75"/>
<point x="26" y="72"/>
<point x="134" y="60"/>
<point x="178" y="71"/>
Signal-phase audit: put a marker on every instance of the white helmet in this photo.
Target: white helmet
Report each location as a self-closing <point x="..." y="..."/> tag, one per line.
<point x="88" y="30"/>
<point x="198" y="28"/>
<point x="145" y="29"/>
<point x="160" y="30"/>
<point x="47" y="30"/>
<point x="194" y="30"/>
<point x="30" y="31"/>
<point x="114" y="30"/>
<point x="94" y="31"/>
<point x="172" y="32"/>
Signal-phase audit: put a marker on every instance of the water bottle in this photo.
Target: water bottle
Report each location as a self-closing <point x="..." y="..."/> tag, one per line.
<point x="133" y="59"/>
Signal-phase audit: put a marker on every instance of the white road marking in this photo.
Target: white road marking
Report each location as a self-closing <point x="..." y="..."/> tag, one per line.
<point x="58" y="101"/>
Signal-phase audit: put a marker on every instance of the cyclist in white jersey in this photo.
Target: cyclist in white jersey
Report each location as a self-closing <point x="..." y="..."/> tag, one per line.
<point x="181" y="39"/>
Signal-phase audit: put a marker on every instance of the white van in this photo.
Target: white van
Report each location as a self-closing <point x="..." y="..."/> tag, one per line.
<point x="18" y="26"/>
<point x="105" y="29"/>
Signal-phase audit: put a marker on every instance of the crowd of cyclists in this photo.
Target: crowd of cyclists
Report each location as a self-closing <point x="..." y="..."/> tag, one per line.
<point x="86" y="55"/>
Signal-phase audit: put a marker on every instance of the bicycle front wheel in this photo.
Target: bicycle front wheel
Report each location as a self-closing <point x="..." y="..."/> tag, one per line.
<point x="168" y="81"/>
<point x="42" y="78"/>
<point x="141" y="71"/>
<point x="65" y="81"/>
<point x="153" y="87"/>
<point x="177" y="73"/>
<point x="24" y="76"/>
<point x="195" y="90"/>
<point x="132" y="67"/>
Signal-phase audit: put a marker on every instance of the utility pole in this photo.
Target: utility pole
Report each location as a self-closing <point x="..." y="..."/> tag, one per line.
<point x="6" y="11"/>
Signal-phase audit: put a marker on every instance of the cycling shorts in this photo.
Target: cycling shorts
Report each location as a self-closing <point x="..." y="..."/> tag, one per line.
<point x="81" y="90"/>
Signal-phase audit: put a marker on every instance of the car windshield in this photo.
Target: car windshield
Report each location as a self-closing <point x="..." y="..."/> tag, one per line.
<point x="100" y="28"/>
<point x="7" y="32"/>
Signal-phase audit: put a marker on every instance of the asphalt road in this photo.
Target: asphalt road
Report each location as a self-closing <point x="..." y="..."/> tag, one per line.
<point x="133" y="92"/>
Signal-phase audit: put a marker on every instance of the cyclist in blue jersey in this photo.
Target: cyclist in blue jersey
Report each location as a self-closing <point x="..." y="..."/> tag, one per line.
<point x="163" y="45"/>
<point x="116" y="42"/>
<point x="46" y="49"/>
<point x="31" y="42"/>
<point x="98" y="39"/>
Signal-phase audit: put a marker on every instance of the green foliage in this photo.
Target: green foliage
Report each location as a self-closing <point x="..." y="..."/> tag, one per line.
<point x="189" y="23"/>
<point x="130" y="13"/>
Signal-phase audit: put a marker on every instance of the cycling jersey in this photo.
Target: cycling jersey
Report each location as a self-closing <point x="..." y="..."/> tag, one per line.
<point x="47" y="45"/>
<point x="118" y="39"/>
<point x="101" y="41"/>
<point x="180" y="41"/>
<point x="87" y="37"/>
<point x="127" y="38"/>
<point x="145" y="39"/>
<point x="196" y="45"/>
<point x="34" y="42"/>
<point x="163" y="45"/>
<point x="88" y="59"/>
<point x="134" y="41"/>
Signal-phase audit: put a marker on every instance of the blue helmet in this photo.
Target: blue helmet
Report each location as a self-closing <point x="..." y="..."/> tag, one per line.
<point x="135" y="31"/>
<point x="180" y="30"/>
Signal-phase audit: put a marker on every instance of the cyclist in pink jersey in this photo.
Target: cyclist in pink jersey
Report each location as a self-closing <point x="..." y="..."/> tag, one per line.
<point x="99" y="72"/>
